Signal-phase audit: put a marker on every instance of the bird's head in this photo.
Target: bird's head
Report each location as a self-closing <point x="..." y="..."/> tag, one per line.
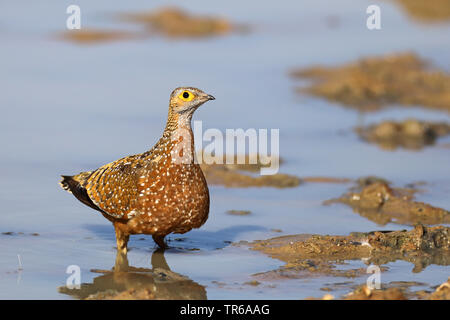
<point x="187" y="99"/>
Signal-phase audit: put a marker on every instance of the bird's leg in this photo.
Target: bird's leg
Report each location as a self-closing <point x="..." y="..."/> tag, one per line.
<point x="159" y="239"/>
<point x="121" y="239"/>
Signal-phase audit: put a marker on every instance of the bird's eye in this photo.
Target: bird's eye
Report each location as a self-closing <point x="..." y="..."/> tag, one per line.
<point x="186" y="96"/>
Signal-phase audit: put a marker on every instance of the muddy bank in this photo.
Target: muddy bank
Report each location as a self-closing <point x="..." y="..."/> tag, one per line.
<point x="375" y="200"/>
<point x="364" y="293"/>
<point x="373" y="83"/>
<point x="168" y="22"/>
<point x="239" y="212"/>
<point x="91" y="36"/>
<point x="233" y="178"/>
<point x="442" y="292"/>
<point x="400" y="291"/>
<point x="426" y="10"/>
<point x="325" y="180"/>
<point x="246" y="175"/>
<point x="396" y="290"/>
<point x="176" y="23"/>
<point x="316" y="255"/>
<point x="410" y="134"/>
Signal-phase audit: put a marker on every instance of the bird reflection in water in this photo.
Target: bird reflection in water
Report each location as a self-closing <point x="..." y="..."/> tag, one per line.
<point x="127" y="282"/>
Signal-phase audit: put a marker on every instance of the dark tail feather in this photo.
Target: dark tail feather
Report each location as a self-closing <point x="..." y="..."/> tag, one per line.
<point x="71" y="185"/>
<point x="67" y="183"/>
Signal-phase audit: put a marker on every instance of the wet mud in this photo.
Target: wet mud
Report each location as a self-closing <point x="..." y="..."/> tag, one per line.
<point x="91" y="36"/>
<point x="395" y="290"/>
<point x="176" y="23"/>
<point x="425" y="10"/>
<point x="410" y="134"/>
<point x="374" y="83"/>
<point x="239" y="212"/>
<point x="400" y="291"/>
<point x="365" y="293"/>
<point x="246" y="175"/>
<point x="318" y="255"/>
<point x="167" y="22"/>
<point x="325" y="180"/>
<point x="375" y="200"/>
<point x="442" y="292"/>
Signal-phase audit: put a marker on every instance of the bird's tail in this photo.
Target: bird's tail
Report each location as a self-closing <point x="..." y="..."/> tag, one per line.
<point x="75" y="185"/>
<point x="67" y="183"/>
<point x="71" y="183"/>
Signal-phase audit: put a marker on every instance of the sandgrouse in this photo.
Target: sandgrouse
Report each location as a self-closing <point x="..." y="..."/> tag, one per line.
<point x="157" y="192"/>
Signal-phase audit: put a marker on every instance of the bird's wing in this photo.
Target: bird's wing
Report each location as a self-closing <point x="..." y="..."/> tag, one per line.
<point x="114" y="187"/>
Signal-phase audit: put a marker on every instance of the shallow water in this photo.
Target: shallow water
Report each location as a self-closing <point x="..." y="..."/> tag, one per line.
<point x="68" y="108"/>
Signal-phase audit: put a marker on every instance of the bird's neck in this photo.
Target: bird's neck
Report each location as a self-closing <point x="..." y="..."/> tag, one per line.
<point x="178" y="121"/>
<point x="178" y="133"/>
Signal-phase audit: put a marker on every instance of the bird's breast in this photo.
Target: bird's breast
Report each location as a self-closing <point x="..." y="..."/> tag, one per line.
<point x="174" y="193"/>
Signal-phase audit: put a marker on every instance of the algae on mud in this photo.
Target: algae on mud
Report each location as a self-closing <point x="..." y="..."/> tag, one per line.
<point x="410" y="134"/>
<point x="373" y="83"/>
<point x="378" y="202"/>
<point x="176" y="23"/>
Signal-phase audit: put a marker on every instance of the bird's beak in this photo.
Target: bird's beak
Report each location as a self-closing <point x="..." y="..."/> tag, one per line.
<point x="210" y="97"/>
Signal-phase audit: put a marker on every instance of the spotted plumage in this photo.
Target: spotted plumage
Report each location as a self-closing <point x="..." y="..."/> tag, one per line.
<point x="157" y="192"/>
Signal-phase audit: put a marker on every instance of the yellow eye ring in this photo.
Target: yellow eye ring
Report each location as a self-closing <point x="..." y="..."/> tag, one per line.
<point x="186" y="96"/>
